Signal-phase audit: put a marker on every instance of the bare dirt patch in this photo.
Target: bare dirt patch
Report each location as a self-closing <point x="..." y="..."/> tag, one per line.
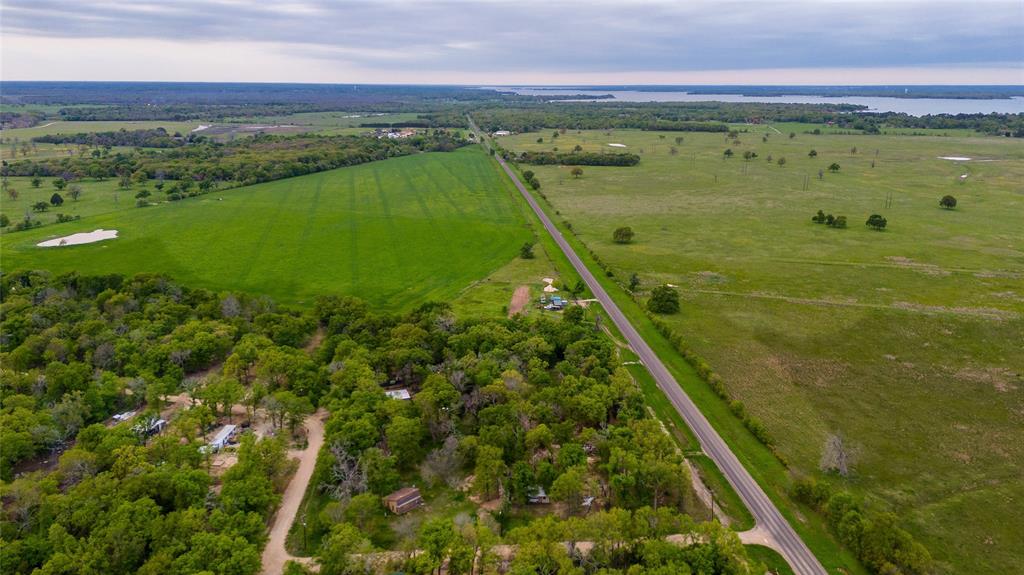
<point x="929" y="269"/>
<point x="520" y="298"/>
<point x="1001" y="378"/>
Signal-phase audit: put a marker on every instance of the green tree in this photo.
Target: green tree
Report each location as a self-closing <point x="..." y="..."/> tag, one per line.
<point x="781" y="162"/>
<point x="40" y="207"/>
<point x="623" y="235"/>
<point x="526" y="251"/>
<point x="336" y="552"/>
<point x="436" y="538"/>
<point x="4" y="221"/>
<point x="728" y="153"/>
<point x="405" y="440"/>
<point x="490" y="470"/>
<point x="56" y="199"/>
<point x="36" y="182"/>
<point x="60" y="184"/>
<point x="833" y="167"/>
<point x="948" y="202"/>
<point x="634" y="282"/>
<point x="576" y="171"/>
<point x="664" y="300"/>
<point x="568" y="488"/>
<point x="812" y="154"/>
<point x="876" y="222"/>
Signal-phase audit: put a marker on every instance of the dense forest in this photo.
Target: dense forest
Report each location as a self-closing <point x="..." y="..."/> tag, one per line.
<point x="514" y="405"/>
<point x="205" y="163"/>
<point x="712" y="116"/>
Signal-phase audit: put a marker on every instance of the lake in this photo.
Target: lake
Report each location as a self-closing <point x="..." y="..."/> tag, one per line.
<point x="911" y="106"/>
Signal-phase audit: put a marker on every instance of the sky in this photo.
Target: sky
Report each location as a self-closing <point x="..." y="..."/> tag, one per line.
<point x="502" y="42"/>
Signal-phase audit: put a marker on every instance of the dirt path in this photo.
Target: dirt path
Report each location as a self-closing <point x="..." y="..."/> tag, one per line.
<point x="519" y="300"/>
<point x="275" y="555"/>
<point x="316" y="340"/>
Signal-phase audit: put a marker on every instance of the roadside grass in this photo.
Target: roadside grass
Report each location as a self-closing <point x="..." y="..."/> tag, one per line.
<point x="770" y="558"/>
<point x="395" y="233"/>
<point x="903" y="342"/>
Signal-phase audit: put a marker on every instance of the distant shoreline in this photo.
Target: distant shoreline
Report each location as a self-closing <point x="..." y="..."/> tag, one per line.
<point x="950" y="92"/>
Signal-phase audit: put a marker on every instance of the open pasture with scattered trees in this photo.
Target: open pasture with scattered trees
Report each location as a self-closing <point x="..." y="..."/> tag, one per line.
<point x="886" y="361"/>
<point x="395" y="232"/>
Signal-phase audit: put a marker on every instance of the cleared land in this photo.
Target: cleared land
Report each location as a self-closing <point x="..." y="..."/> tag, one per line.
<point x="905" y="342"/>
<point x="394" y="233"/>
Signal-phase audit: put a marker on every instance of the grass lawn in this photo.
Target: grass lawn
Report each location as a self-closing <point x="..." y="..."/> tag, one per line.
<point x="396" y="233"/>
<point x="770" y="558"/>
<point x="905" y="342"/>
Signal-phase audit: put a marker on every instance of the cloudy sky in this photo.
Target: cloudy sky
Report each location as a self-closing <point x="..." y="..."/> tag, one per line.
<point x="516" y="42"/>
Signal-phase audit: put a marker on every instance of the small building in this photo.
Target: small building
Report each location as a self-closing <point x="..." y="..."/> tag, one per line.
<point x="404" y="500"/>
<point x="398" y="393"/>
<point x="502" y="133"/>
<point x="537" y="496"/>
<point x="220" y="440"/>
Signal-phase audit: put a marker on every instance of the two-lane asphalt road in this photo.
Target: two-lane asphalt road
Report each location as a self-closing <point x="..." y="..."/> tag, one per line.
<point x="765" y="513"/>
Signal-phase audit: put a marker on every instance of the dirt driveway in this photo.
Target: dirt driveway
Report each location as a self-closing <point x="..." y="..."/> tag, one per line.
<point x="275" y="555"/>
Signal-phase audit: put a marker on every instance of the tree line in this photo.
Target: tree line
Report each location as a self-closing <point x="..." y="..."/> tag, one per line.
<point x="247" y="161"/>
<point x="152" y="138"/>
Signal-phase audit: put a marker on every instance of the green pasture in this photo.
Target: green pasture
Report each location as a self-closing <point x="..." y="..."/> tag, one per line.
<point x="906" y="342"/>
<point x="97" y="197"/>
<point x="49" y="127"/>
<point x="396" y="233"/>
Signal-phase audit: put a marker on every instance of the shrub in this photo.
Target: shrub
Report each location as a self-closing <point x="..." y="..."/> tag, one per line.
<point x="623" y="235"/>
<point x="877" y="222"/>
<point x="948" y="202"/>
<point x="663" y="300"/>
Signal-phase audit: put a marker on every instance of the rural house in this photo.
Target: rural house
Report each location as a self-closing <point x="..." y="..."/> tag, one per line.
<point x="404" y="500"/>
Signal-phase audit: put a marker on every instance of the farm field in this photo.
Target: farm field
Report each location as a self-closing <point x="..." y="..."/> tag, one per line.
<point x="395" y="233"/>
<point x="907" y="343"/>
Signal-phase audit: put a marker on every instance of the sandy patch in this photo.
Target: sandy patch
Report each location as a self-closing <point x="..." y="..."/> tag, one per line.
<point x="617" y="145"/>
<point x="519" y="300"/>
<point x="201" y="128"/>
<point x="955" y="158"/>
<point x="80" y="238"/>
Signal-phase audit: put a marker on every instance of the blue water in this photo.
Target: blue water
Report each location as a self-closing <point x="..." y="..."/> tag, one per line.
<point x="911" y="106"/>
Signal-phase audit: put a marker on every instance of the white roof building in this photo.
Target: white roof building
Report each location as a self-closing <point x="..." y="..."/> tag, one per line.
<point x="398" y="394"/>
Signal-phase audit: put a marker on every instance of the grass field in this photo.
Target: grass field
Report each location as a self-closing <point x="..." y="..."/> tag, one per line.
<point x="11" y="140"/>
<point x="98" y="197"/>
<point x="906" y="342"/>
<point x="395" y="233"/>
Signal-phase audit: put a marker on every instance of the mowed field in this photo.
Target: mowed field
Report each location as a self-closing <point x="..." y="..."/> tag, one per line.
<point x="395" y="233"/>
<point x="908" y="343"/>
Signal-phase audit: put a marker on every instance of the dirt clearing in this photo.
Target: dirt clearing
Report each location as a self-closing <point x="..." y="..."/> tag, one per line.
<point x="520" y="298"/>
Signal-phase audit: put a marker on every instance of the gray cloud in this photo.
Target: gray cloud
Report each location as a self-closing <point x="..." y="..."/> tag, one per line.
<point x="527" y="35"/>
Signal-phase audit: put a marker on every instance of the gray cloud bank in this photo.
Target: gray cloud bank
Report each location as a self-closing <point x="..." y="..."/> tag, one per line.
<point x="552" y="37"/>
